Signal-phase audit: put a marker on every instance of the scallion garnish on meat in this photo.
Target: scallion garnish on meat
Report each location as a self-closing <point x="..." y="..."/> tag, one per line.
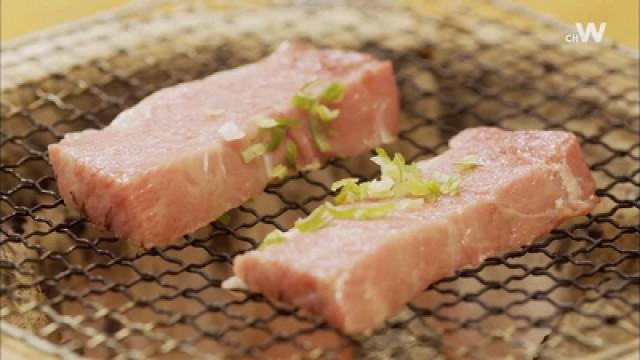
<point x="468" y="162"/>
<point x="292" y="154"/>
<point x="253" y="151"/>
<point x="400" y="186"/>
<point x="325" y="213"/>
<point x="319" y="114"/>
<point x="318" y="218"/>
<point x="279" y="171"/>
<point x="265" y="122"/>
<point x="275" y="138"/>
<point x="324" y="113"/>
<point x="274" y="237"/>
<point x="276" y="128"/>
<point x="333" y="93"/>
<point x="318" y="135"/>
<point x="319" y="117"/>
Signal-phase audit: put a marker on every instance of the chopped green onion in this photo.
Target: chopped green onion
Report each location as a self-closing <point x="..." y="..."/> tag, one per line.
<point x="279" y="171"/>
<point x="383" y="155"/>
<point x="411" y="171"/>
<point x="343" y="182"/>
<point x="349" y="192"/>
<point x="318" y="137"/>
<point x="374" y="212"/>
<point x="426" y="188"/>
<point x="287" y="122"/>
<point x="468" y="162"/>
<point x="272" y="238"/>
<point x="275" y="138"/>
<point x="302" y="101"/>
<point x="361" y="213"/>
<point x="363" y="191"/>
<point x="322" y="215"/>
<point x="399" y="190"/>
<point x="265" y="122"/>
<point x="341" y="212"/>
<point x="393" y="169"/>
<point x="333" y="93"/>
<point x="276" y="127"/>
<point x="450" y="185"/>
<point x="317" y="111"/>
<point x="324" y="113"/>
<point x="316" y="220"/>
<point x="398" y="160"/>
<point x="409" y="203"/>
<point x="292" y="154"/>
<point x="253" y="152"/>
<point x="380" y="189"/>
<point x="401" y="182"/>
<point x="400" y="165"/>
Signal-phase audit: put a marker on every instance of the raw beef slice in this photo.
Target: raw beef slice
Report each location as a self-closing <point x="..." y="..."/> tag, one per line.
<point x="164" y="168"/>
<point x="357" y="273"/>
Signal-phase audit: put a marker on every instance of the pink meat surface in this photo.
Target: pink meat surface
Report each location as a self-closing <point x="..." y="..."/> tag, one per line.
<point x="162" y="169"/>
<point x="356" y="274"/>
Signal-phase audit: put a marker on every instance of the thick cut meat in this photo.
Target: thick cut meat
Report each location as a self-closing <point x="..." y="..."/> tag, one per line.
<point x="162" y="168"/>
<point x="358" y="273"/>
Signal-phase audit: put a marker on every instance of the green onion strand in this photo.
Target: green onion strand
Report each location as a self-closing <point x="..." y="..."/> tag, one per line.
<point x="292" y="154"/>
<point x="333" y="93"/>
<point x="275" y="138"/>
<point x="272" y="238"/>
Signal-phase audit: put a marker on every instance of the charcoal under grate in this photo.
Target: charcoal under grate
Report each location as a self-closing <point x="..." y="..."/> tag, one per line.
<point x="69" y="288"/>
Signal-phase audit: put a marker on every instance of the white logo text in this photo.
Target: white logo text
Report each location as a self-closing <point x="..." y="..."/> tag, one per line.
<point x="586" y="34"/>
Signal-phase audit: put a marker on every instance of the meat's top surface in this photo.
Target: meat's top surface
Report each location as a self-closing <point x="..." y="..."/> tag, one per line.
<point x="548" y="163"/>
<point x="175" y="122"/>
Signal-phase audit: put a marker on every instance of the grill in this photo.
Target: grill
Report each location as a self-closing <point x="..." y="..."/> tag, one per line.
<point x="71" y="289"/>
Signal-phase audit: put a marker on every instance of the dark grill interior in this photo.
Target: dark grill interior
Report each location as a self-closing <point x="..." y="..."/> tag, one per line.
<point x="572" y="293"/>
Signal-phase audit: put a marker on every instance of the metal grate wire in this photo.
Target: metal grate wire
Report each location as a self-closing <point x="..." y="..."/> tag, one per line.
<point x="572" y="293"/>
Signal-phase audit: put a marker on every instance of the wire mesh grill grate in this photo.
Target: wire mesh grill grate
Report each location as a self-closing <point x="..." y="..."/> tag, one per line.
<point x="572" y="293"/>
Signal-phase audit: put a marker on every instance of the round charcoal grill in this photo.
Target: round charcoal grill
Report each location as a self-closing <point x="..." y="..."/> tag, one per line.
<point x="69" y="289"/>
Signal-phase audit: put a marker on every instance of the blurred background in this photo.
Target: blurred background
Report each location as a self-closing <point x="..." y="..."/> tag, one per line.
<point x="19" y="17"/>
